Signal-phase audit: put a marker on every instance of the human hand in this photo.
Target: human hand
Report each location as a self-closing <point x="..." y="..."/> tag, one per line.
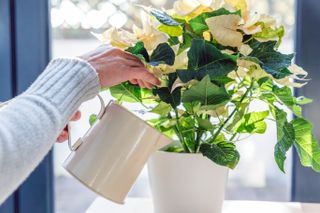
<point x="115" y="66"/>
<point x="64" y="135"/>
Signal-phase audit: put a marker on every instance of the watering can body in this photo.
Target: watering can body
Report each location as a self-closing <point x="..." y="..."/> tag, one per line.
<point x="111" y="155"/>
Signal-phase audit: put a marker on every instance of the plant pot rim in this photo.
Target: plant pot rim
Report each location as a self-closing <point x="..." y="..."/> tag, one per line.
<point x="186" y="156"/>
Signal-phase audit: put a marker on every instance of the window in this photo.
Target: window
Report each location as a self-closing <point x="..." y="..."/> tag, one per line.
<point x="72" y="22"/>
<point x="257" y="176"/>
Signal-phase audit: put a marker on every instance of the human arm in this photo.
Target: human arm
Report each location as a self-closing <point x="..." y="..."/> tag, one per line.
<point x="31" y="122"/>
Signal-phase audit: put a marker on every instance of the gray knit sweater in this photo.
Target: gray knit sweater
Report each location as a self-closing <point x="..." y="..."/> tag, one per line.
<point x="31" y="122"/>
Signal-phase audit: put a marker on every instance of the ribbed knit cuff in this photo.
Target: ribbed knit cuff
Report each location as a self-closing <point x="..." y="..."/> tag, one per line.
<point x="66" y="83"/>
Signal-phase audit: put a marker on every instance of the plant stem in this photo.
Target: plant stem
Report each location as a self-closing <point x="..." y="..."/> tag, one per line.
<point x="232" y="113"/>
<point x="178" y="131"/>
<point x="248" y="40"/>
<point x="198" y="141"/>
<point x="233" y="136"/>
<point x="241" y="139"/>
<point x="270" y="119"/>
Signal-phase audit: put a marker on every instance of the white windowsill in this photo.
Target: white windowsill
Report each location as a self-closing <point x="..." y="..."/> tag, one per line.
<point x="142" y="205"/>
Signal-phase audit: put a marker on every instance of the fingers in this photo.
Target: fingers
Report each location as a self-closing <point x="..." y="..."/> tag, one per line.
<point x="76" y="116"/>
<point x="134" y="81"/>
<point x="148" y="85"/>
<point x="141" y="84"/>
<point x="63" y="136"/>
<point x="144" y="75"/>
<point x="115" y="66"/>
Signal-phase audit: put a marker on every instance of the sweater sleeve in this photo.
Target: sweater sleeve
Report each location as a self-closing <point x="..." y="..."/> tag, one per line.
<point x="30" y="123"/>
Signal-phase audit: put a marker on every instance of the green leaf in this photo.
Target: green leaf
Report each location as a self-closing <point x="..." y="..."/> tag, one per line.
<point x="206" y="93"/>
<point x="187" y="75"/>
<point x="272" y="61"/>
<point x="165" y="95"/>
<point x="204" y="124"/>
<point x="220" y="138"/>
<point x="285" y="138"/>
<point x="266" y="84"/>
<point x="212" y="107"/>
<point x="286" y="96"/>
<point x="164" y="122"/>
<point x="203" y="53"/>
<point x="221" y="80"/>
<point x="176" y="149"/>
<point x="250" y="58"/>
<point x="303" y="100"/>
<point x="164" y="125"/>
<point x="157" y="121"/>
<point x="127" y="92"/>
<point x="187" y="130"/>
<point x="163" y="54"/>
<point x="193" y="107"/>
<point x="171" y="30"/>
<point x="222" y="153"/>
<point x="163" y="17"/>
<point x="162" y="109"/>
<point x="306" y="144"/>
<point x="173" y="40"/>
<point x="187" y="41"/>
<point x="198" y="24"/>
<point x="187" y="123"/>
<point x="269" y="33"/>
<point x="139" y="49"/>
<point x="92" y="119"/>
<point x="241" y="109"/>
<point x="253" y="123"/>
<point x="269" y="97"/>
<point x="206" y="59"/>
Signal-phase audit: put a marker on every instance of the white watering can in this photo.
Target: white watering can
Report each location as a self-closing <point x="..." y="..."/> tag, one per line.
<point x="111" y="155"/>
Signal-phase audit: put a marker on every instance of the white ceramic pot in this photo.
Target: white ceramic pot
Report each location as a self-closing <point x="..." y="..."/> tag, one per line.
<point x="186" y="183"/>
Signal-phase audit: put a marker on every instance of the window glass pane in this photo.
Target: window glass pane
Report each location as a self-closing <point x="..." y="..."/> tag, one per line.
<point x="257" y="176"/>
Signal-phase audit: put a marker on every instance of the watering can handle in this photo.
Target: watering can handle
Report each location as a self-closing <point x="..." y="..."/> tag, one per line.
<point x="74" y="146"/>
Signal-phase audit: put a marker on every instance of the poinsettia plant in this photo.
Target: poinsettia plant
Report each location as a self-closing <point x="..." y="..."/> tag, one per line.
<point x="214" y="59"/>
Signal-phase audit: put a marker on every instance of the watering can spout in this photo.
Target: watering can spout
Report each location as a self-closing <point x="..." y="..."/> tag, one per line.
<point x="162" y="142"/>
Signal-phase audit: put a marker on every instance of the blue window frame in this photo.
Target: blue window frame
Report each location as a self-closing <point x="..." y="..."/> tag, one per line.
<point x="24" y="53"/>
<point x="6" y="74"/>
<point x="25" y="50"/>
<point x="305" y="182"/>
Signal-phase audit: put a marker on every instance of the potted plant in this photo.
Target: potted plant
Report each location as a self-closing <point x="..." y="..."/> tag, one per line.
<point x="214" y="59"/>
